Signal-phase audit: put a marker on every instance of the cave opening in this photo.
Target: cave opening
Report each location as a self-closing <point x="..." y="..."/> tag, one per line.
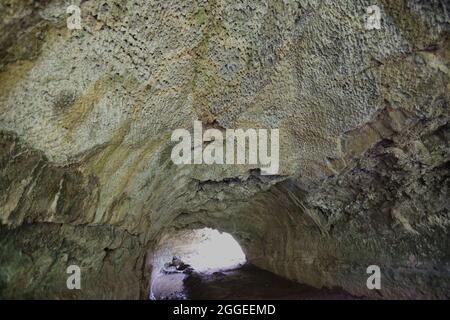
<point x="180" y="254"/>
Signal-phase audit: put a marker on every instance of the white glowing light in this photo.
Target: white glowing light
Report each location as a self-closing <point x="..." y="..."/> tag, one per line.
<point x="206" y="250"/>
<point x="214" y="251"/>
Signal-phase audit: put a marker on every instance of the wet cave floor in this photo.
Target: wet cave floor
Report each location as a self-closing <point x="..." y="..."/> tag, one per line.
<point x="245" y="283"/>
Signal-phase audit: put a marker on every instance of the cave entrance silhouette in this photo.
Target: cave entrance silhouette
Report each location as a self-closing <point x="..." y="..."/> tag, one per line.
<point x="200" y="251"/>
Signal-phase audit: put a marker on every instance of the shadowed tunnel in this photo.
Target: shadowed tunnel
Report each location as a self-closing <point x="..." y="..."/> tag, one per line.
<point x="87" y="177"/>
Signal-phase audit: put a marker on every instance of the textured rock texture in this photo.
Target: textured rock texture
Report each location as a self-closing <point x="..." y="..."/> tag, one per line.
<point x="86" y="117"/>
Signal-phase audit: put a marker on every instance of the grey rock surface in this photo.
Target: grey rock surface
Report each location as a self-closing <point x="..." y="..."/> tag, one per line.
<point x="86" y="118"/>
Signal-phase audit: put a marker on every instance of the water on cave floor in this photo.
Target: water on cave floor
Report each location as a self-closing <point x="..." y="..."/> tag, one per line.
<point x="208" y="264"/>
<point x="246" y="282"/>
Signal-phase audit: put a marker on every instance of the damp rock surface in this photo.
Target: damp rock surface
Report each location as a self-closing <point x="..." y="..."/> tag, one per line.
<point x="86" y="117"/>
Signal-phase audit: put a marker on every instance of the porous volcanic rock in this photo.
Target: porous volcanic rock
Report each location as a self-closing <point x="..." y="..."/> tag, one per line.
<point x="86" y="117"/>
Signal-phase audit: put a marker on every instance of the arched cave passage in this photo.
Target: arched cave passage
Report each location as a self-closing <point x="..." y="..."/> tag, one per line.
<point x="279" y="237"/>
<point x="87" y="177"/>
<point x="205" y="263"/>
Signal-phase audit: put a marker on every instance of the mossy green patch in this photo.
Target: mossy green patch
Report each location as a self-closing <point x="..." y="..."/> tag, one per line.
<point x="12" y="75"/>
<point x="200" y="16"/>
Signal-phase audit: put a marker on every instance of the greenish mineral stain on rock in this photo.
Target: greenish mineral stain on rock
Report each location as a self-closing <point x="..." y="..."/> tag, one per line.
<point x="200" y="16"/>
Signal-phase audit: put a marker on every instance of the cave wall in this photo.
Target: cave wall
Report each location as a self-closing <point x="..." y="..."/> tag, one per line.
<point x="86" y="118"/>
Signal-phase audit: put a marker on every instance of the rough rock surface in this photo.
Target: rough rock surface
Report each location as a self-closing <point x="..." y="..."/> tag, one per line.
<point x="86" y="117"/>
